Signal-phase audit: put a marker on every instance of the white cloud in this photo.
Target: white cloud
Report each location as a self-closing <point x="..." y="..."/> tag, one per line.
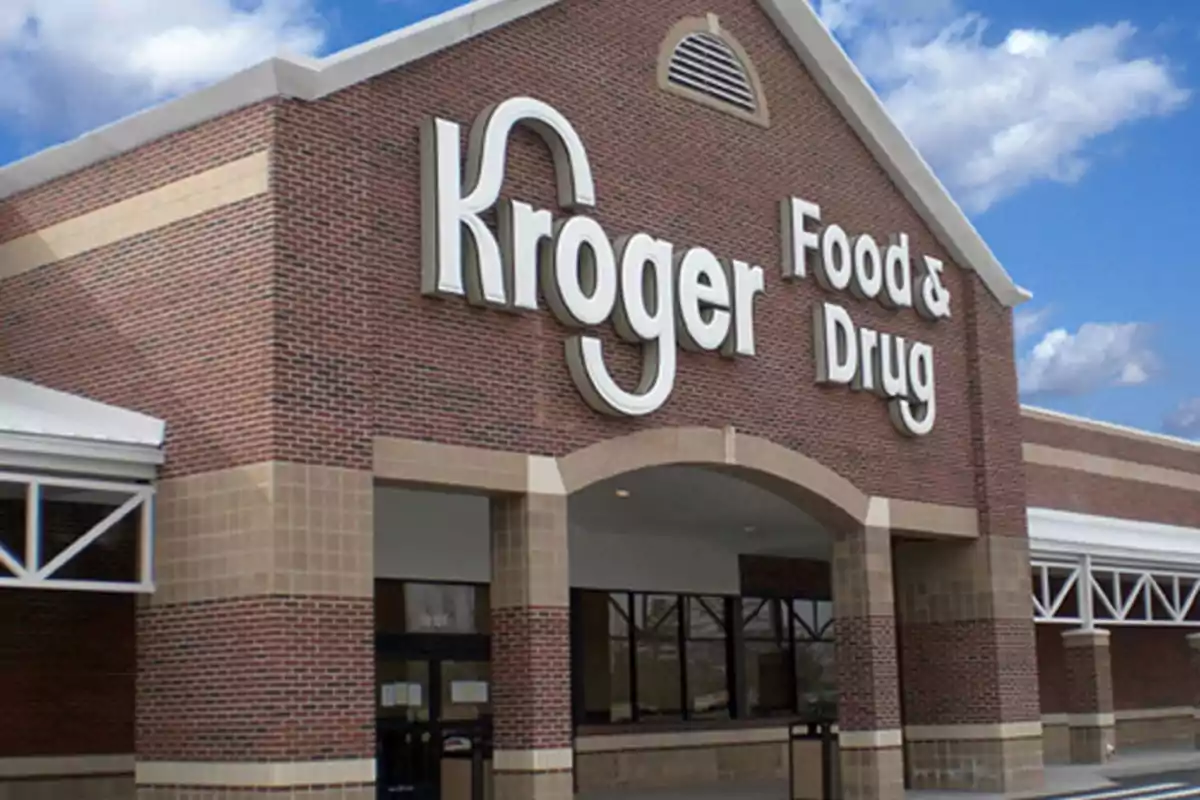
<point x="1185" y="419"/>
<point x="996" y="111"/>
<point x="1096" y="356"/>
<point x="1028" y="323"/>
<point x="71" y="64"/>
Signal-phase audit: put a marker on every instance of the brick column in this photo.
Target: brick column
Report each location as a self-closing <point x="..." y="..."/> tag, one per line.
<point x="1193" y="640"/>
<point x="531" y="667"/>
<point x="256" y="653"/>
<point x="968" y="653"/>
<point x="869" y="736"/>
<point x="1088" y="666"/>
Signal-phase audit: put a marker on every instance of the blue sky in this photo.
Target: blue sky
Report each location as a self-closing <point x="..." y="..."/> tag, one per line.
<point x="1068" y="130"/>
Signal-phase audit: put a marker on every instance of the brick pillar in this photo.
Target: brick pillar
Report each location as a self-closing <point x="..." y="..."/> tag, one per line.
<point x="869" y="736"/>
<point x="1193" y="640"/>
<point x="531" y="667"/>
<point x="1088" y="666"/>
<point x="256" y="652"/>
<point x="968" y="652"/>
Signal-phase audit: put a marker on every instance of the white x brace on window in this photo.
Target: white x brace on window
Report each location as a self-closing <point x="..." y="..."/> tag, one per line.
<point x="33" y="561"/>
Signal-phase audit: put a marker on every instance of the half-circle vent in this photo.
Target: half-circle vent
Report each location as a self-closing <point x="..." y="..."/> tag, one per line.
<point x="703" y="62"/>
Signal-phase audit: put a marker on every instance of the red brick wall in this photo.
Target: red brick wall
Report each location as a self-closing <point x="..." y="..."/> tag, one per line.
<point x="176" y="322"/>
<point x="1149" y="668"/>
<point x="169" y="159"/>
<point x="1086" y="493"/>
<point x="1111" y="445"/>
<point x="224" y="680"/>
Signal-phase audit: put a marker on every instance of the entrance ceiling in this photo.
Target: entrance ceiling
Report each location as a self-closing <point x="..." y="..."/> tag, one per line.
<point x="685" y="501"/>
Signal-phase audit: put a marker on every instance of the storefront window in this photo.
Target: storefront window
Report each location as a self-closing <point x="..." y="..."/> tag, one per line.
<point x="766" y="631"/>
<point x="816" y="669"/>
<point x="439" y="608"/>
<point x="408" y="607"/>
<point x="402" y="690"/>
<point x="707" y="658"/>
<point x="604" y="626"/>
<point x="686" y="662"/>
<point x="659" y="671"/>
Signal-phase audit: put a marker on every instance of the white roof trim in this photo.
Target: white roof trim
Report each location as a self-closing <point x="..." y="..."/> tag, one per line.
<point x="1110" y="428"/>
<point x="42" y="428"/>
<point x="310" y="79"/>
<point x="1115" y="542"/>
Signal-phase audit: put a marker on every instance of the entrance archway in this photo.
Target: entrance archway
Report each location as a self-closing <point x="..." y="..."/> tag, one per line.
<point x="702" y="620"/>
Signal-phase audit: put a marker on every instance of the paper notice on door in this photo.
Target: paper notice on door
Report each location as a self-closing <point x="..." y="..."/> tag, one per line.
<point x="468" y="692"/>
<point x="387" y="695"/>
<point x="415" y="696"/>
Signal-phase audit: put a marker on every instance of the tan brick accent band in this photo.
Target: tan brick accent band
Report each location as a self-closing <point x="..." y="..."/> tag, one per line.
<point x="1085" y="638"/>
<point x="270" y="528"/>
<point x="59" y="766"/>
<point x="69" y="787"/>
<point x="870" y="740"/>
<point x="1096" y="720"/>
<point x="1046" y="456"/>
<point x="183" y="199"/>
<point x="679" y="740"/>
<point x="546" y="760"/>
<point x="255" y="775"/>
<point x="970" y="733"/>
<point x="343" y="792"/>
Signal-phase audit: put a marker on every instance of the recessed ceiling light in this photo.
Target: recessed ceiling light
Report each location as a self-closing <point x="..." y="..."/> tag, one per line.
<point x="750" y="529"/>
<point x="622" y="493"/>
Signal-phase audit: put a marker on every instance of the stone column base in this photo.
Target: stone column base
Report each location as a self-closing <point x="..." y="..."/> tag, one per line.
<point x="871" y="765"/>
<point x="558" y="785"/>
<point x="976" y="758"/>
<point x="88" y="787"/>
<point x="291" y="780"/>
<point x="360" y="792"/>
<point x="1092" y="743"/>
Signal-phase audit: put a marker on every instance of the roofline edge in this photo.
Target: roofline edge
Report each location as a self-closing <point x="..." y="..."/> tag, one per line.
<point x="1110" y="428"/>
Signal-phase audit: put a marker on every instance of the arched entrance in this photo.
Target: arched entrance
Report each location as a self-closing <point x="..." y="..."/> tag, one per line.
<point x="702" y="578"/>
<point x="650" y="599"/>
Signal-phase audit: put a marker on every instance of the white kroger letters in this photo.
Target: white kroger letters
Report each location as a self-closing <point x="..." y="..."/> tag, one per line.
<point x="656" y="294"/>
<point x="652" y="295"/>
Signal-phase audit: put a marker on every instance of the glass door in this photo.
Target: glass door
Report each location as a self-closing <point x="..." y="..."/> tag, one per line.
<point x="408" y="748"/>
<point x="464" y="719"/>
<point x="433" y="718"/>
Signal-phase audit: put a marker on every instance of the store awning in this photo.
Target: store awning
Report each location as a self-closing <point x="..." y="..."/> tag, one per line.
<point x="45" y="429"/>
<point x="1093" y="570"/>
<point x="78" y="478"/>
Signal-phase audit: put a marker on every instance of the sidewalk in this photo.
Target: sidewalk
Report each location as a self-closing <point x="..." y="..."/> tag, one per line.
<point x="1066" y="779"/>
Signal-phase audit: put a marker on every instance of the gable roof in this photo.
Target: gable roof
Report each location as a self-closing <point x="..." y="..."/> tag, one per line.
<point x="312" y="79"/>
<point x="44" y="428"/>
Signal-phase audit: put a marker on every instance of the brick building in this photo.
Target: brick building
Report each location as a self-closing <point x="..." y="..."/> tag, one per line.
<point x="321" y="463"/>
